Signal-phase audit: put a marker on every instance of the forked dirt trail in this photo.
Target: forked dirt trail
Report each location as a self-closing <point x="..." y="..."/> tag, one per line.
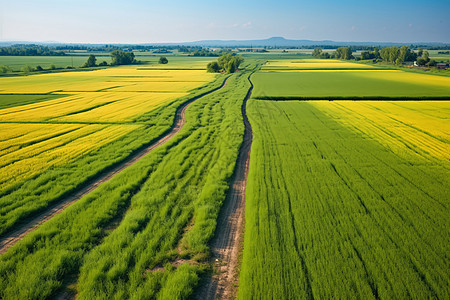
<point x="11" y="238"/>
<point x="227" y="240"/>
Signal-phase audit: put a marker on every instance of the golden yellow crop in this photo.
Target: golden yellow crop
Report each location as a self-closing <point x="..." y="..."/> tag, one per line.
<point x="407" y="127"/>
<point x="127" y="106"/>
<point x="26" y="162"/>
<point x="90" y="90"/>
<point x="109" y="95"/>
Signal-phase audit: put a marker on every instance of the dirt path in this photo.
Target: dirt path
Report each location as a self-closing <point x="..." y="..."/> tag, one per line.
<point x="228" y="236"/>
<point x="11" y="238"/>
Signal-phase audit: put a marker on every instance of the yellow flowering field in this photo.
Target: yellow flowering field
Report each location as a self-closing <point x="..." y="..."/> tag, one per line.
<point x="67" y="143"/>
<point x="127" y="106"/>
<point x="419" y="127"/>
<point x="38" y="136"/>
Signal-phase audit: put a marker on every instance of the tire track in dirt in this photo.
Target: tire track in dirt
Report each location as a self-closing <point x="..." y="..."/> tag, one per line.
<point x="11" y="238"/>
<point x="227" y="240"/>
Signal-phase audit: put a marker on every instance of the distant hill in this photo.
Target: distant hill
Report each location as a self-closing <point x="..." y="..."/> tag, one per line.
<point x="282" y="42"/>
<point x="270" y="42"/>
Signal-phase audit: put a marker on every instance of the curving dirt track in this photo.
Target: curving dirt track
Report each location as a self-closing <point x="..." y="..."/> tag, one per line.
<point x="227" y="240"/>
<point x="11" y="238"/>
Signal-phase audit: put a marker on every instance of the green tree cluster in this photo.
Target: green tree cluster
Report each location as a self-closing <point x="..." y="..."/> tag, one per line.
<point x="163" y="60"/>
<point x="120" y="57"/>
<point x="397" y="56"/>
<point x="5" y="69"/>
<point x="318" y="53"/>
<point x="227" y="63"/>
<point x="343" y="53"/>
<point x="91" y="62"/>
<point x="375" y="54"/>
<point x="424" y="59"/>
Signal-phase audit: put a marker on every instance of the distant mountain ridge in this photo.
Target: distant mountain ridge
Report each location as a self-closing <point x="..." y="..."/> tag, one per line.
<point x="282" y="42"/>
<point x="270" y="42"/>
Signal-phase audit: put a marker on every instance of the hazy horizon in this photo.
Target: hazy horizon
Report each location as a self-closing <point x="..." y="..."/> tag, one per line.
<point x="138" y="21"/>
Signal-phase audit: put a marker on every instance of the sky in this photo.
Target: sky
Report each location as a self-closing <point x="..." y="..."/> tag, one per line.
<point x="152" y="21"/>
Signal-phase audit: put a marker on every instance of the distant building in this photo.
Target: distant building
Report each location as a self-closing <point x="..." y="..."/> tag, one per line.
<point x="442" y="66"/>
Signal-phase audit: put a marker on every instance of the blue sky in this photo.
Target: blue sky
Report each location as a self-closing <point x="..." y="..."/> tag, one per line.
<point x="139" y="21"/>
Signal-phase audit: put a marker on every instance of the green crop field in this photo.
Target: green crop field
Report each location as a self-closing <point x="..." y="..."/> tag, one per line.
<point x="348" y="84"/>
<point x="346" y="201"/>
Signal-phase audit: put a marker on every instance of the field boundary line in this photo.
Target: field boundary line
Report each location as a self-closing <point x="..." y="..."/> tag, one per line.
<point x="10" y="238"/>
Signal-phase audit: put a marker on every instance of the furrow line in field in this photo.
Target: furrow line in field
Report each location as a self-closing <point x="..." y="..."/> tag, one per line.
<point x="11" y="238"/>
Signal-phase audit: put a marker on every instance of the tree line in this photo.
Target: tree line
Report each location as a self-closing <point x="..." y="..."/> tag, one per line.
<point x="29" y="50"/>
<point x="118" y="57"/>
<point x="340" y="53"/>
<point x="392" y="55"/>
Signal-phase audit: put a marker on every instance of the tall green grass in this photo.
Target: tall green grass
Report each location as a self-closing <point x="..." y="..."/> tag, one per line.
<point x="171" y="197"/>
<point x="331" y="214"/>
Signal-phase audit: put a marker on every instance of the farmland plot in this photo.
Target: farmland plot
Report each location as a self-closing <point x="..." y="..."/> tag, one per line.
<point x="80" y="124"/>
<point x="342" y="84"/>
<point x="345" y="201"/>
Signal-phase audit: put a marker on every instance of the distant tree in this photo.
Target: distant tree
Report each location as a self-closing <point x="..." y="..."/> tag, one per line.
<point x="406" y="54"/>
<point x="27" y="69"/>
<point x="5" y="69"/>
<point x="39" y="68"/>
<point x="91" y="62"/>
<point x="376" y="53"/>
<point x="389" y="54"/>
<point x="228" y="63"/>
<point x="103" y="63"/>
<point x="432" y="63"/>
<point x="163" y="60"/>
<point x="213" y="67"/>
<point x="421" y="61"/>
<point x="367" y="55"/>
<point x="325" y="55"/>
<point x="317" y="52"/>
<point x="231" y="66"/>
<point x="344" y="53"/>
<point x="426" y="56"/>
<point x="52" y="67"/>
<point x="223" y="60"/>
<point x="120" y="57"/>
